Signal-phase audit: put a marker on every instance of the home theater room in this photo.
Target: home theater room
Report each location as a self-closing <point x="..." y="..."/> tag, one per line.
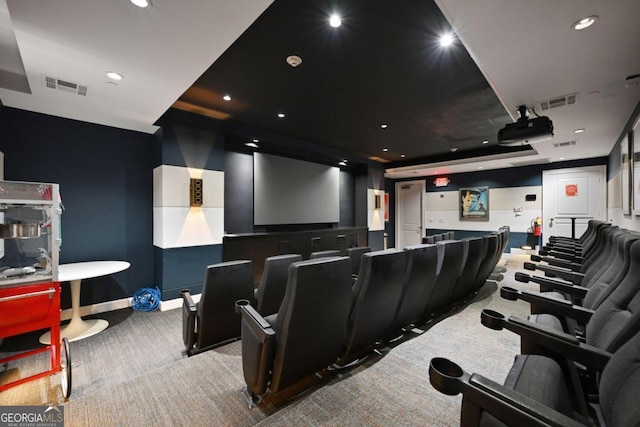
<point x="319" y="213"/>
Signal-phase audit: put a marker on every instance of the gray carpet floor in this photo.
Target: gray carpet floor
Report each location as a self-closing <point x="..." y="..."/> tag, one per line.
<point x="136" y="374"/>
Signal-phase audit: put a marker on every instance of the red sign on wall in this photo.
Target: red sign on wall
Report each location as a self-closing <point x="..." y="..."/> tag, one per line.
<point x="571" y="190"/>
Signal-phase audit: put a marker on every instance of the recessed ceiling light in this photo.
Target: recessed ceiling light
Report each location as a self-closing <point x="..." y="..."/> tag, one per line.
<point x="281" y="115"/>
<point x="578" y="130"/>
<point x="446" y="40"/>
<point x="403" y="156"/>
<point x="385" y="149"/>
<point x="227" y="98"/>
<point x="384" y="126"/>
<point x="454" y="149"/>
<point x="485" y="141"/>
<point x="342" y="163"/>
<point x="141" y="3"/>
<point x="114" y="76"/>
<point x="256" y="140"/>
<point x="335" y="21"/>
<point x="251" y="144"/>
<point x="584" y="22"/>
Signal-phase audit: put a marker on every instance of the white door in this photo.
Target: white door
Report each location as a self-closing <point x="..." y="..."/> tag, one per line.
<point x="409" y="208"/>
<point x="572" y="195"/>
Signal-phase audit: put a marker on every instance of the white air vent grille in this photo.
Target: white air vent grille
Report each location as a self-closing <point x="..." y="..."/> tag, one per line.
<point x="65" y="86"/>
<point x="559" y="101"/>
<point x="565" y="144"/>
<point x="531" y="162"/>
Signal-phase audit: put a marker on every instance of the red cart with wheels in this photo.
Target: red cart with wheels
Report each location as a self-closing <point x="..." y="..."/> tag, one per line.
<point x="31" y="307"/>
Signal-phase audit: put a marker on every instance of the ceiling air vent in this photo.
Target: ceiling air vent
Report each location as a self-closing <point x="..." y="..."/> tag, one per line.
<point x="531" y="162"/>
<point x="565" y="144"/>
<point x="65" y="86"/>
<point x="559" y="101"/>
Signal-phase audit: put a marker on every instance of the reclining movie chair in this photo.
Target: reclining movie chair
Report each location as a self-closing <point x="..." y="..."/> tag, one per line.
<point x="273" y="283"/>
<point x="472" y="255"/>
<point x="212" y="321"/>
<point x="487" y="265"/>
<point x="420" y="275"/>
<point x="375" y="297"/>
<point x="305" y="336"/>
<point x="535" y="393"/>
<point x="355" y="255"/>
<point x="449" y="262"/>
<point x="325" y="254"/>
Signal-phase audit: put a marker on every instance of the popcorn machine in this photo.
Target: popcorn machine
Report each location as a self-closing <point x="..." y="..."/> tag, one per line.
<point x="30" y="240"/>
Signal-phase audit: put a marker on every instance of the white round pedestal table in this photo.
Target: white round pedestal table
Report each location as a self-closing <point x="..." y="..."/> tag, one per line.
<point x="79" y="329"/>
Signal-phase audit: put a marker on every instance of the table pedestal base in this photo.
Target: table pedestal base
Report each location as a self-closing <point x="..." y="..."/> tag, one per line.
<point x="78" y="329"/>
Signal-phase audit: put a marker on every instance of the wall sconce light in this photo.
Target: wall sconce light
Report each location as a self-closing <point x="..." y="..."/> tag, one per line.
<point x="195" y="192"/>
<point x="376" y="201"/>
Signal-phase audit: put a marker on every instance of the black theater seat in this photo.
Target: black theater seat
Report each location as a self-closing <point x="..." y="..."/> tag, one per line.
<point x="537" y="394"/>
<point x="305" y="336"/>
<point x="447" y="273"/>
<point x="212" y="321"/>
<point x="472" y="255"/>
<point x="355" y="255"/>
<point x="419" y="278"/>
<point x="375" y="297"/>
<point x="324" y="254"/>
<point x="273" y="283"/>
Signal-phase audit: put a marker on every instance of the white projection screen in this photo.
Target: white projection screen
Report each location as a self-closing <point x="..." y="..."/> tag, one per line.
<point x="288" y="191"/>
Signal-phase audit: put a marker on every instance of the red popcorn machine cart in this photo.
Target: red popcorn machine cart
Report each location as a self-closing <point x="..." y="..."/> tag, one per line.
<point x="29" y="289"/>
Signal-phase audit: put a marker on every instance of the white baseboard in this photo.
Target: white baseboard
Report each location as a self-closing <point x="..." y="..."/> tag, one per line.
<point x="120" y="304"/>
<point x="98" y="308"/>
<point x="176" y="303"/>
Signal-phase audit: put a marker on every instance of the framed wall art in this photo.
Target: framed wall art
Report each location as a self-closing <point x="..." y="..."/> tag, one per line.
<point x="474" y="204"/>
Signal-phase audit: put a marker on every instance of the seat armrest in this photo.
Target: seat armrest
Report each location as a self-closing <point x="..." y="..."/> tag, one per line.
<point x="189" y="311"/>
<point x="557" y="262"/>
<point x="547" y="284"/>
<point x="572" y="276"/>
<point x="258" y="348"/>
<point x="541" y="303"/>
<point x="556" y="342"/>
<point x="480" y="394"/>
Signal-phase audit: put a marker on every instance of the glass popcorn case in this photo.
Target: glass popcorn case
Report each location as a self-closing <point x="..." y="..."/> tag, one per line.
<point x="30" y="240"/>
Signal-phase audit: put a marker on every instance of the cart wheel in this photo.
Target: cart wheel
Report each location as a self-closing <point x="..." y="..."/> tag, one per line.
<point x="65" y="368"/>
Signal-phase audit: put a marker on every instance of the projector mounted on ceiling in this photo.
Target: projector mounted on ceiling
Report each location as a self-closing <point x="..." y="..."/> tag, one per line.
<point x="526" y="130"/>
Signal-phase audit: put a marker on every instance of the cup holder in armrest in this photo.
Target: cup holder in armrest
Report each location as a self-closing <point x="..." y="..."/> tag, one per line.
<point x="529" y="266"/>
<point x="509" y="293"/>
<point x="492" y="319"/>
<point x="522" y="277"/>
<point x="241" y="303"/>
<point x="536" y="258"/>
<point x="446" y="376"/>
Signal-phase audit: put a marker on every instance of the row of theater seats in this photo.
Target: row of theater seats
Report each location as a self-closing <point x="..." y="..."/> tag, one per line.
<point x="213" y="322"/>
<point x="448" y="235"/>
<point x="580" y="361"/>
<point x="327" y="320"/>
<point x="305" y="316"/>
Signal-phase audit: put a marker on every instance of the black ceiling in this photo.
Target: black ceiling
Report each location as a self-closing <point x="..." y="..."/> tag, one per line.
<point x="384" y="65"/>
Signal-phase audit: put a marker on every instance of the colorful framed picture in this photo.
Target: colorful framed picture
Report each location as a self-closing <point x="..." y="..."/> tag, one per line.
<point x="474" y="204"/>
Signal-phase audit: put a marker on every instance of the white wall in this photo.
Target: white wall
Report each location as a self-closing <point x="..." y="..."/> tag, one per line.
<point x="442" y="210"/>
<point x="614" y="206"/>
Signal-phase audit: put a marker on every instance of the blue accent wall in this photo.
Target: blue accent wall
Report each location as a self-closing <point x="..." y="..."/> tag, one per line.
<point x="106" y="182"/>
<point x="184" y="268"/>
